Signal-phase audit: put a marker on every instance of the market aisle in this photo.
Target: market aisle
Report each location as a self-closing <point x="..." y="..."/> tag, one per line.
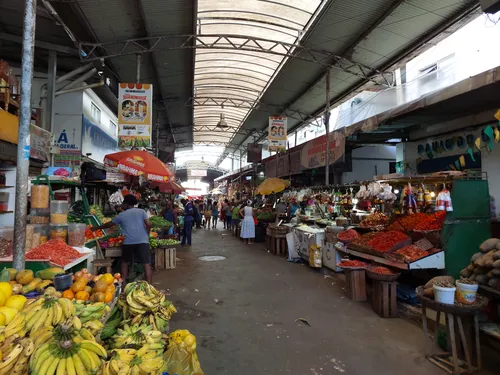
<point x="252" y="328"/>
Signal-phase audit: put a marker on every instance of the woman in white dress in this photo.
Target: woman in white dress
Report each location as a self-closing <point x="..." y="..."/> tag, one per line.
<point x="247" y="224"/>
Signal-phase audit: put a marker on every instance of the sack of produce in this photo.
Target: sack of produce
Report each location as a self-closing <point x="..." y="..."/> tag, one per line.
<point x="180" y="357"/>
<point x="315" y="259"/>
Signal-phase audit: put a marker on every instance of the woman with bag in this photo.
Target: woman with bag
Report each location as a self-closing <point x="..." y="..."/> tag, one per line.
<point x="248" y="223"/>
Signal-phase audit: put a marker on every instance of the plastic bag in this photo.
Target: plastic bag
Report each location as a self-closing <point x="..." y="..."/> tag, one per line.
<point x="179" y="361"/>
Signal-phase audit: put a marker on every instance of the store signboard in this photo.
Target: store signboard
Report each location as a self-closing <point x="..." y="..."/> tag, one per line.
<point x="271" y="168"/>
<point x="68" y="141"/>
<point x="96" y="143"/>
<point x="135" y="114"/>
<point x="313" y="153"/>
<point x="295" y="165"/>
<point x="197" y="172"/>
<point x="39" y="143"/>
<point x="277" y="133"/>
<point x="283" y="166"/>
<point x="254" y="152"/>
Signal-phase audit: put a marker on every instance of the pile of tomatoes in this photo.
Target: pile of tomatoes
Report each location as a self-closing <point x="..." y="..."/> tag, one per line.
<point x="91" y="235"/>
<point x="56" y="251"/>
<point x="385" y="241"/>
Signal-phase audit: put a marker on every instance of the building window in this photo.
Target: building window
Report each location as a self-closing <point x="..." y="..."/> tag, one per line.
<point x="114" y="127"/>
<point x="95" y="112"/>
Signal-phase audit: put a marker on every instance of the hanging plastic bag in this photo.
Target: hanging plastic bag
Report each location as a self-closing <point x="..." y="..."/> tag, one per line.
<point x="180" y="357"/>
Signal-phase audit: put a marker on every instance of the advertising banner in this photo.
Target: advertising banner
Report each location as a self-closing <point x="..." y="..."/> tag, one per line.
<point x="39" y="143"/>
<point x="283" y="166"/>
<point x="277" y="133"/>
<point x="135" y="114"/>
<point x="96" y="143"/>
<point x="254" y="152"/>
<point x="68" y="141"/>
<point x="197" y="172"/>
<point x="313" y="153"/>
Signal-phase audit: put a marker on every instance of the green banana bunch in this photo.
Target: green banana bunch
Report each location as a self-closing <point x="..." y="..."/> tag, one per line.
<point x="112" y="324"/>
<point x="91" y="311"/>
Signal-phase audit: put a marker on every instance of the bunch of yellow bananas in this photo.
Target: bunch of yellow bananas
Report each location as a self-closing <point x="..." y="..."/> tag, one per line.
<point x="146" y="360"/>
<point x="16" y="354"/>
<point x="47" y="333"/>
<point x="135" y="335"/>
<point x="66" y="352"/>
<point x="47" y="311"/>
<point x="142" y="303"/>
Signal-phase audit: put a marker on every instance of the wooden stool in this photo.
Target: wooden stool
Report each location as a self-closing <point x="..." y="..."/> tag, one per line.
<point x="384" y="298"/>
<point x="165" y="258"/>
<point x="278" y="244"/>
<point x="355" y="285"/>
<point x="98" y="263"/>
<point x="459" y="339"/>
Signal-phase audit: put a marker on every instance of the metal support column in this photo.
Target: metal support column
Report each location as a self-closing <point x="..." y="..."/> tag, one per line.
<point x="51" y="90"/>
<point x="157" y="136"/>
<point x="241" y="159"/>
<point x="327" y="126"/>
<point x="23" y="144"/>
<point x="138" y="68"/>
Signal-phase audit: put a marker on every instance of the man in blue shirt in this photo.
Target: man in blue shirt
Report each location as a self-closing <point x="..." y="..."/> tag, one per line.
<point x="189" y="216"/>
<point x="135" y="227"/>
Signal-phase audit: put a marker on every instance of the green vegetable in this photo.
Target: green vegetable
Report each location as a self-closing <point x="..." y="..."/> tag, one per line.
<point x="159" y="222"/>
<point x="155" y="243"/>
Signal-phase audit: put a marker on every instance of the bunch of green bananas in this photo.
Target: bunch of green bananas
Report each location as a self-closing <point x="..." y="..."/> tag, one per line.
<point x="141" y="300"/>
<point x="16" y="354"/>
<point x="112" y="324"/>
<point x="66" y="352"/>
<point x="91" y="311"/>
<point x="146" y="360"/>
<point x="135" y="335"/>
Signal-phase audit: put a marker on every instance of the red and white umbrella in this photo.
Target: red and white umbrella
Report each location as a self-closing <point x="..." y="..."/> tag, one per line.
<point x="136" y="163"/>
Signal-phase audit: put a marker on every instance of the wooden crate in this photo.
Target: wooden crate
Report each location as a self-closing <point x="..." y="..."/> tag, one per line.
<point x="384" y="298"/>
<point x="113" y="252"/>
<point x="355" y="285"/>
<point x="165" y="258"/>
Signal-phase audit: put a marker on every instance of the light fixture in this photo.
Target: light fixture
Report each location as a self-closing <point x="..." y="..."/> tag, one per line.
<point x="433" y="194"/>
<point x="396" y="191"/>
<point x="222" y="123"/>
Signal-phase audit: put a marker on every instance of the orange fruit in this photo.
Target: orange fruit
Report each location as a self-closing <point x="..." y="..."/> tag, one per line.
<point x="78" y="286"/>
<point x="88" y="289"/>
<point x="109" y="297"/>
<point x="108" y="278"/>
<point x="100" y="286"/>
<point x="68" y="294"/>
<point x="99" y="297"/>
<point x="117" y="276"/>
<point x="111" y="289"/>
<point x="82" y="296"/>
<point x="83" y="279"/>
<point x="78" y="274"/>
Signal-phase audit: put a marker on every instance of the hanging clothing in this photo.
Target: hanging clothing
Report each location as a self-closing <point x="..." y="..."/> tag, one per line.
<point x="248" y="224"/>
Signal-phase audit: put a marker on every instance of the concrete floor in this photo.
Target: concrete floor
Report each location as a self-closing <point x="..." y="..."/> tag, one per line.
<point x="243" y="311"/>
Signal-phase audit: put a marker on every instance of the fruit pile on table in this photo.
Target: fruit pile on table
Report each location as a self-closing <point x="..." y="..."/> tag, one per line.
<point x="58" y="332"/>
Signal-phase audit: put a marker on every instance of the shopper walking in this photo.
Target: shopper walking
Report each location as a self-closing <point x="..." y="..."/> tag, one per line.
<point x="135" y="227"/>
<point x="228" y="215"/>
<point x="207" y="213"/>
<point x="189" y="215"/>
<point x="235" y="215"/>
<point x="248" y="223"/>
<point x="223" y="208"/>
<point x="215" y="214"/>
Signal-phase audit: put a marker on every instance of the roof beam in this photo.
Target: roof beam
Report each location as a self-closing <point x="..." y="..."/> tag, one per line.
<point x="234" y="42"/>
<point x="40" y="44"/>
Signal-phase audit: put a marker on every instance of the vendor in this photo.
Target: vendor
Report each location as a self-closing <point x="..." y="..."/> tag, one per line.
<point x="281" y="207"/>
<point x="170" y="215"/>
<point x="135" y="226"/>
<point x="292" y="208"/>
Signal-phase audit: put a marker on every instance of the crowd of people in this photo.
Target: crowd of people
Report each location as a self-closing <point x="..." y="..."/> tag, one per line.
<point x="200" y="214"/>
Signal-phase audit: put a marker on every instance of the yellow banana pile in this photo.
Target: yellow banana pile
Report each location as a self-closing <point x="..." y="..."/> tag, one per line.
<point x="47" y="311"/>
<point x="146" y="360"/>
<point x="135" y="336"/>
<point x="142" y="303"/>
<point x="66" y="352"/>
<point x="16" y="354"/>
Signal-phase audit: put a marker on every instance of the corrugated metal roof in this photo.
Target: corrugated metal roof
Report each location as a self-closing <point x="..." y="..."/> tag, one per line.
<point x="398" y="27"/>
